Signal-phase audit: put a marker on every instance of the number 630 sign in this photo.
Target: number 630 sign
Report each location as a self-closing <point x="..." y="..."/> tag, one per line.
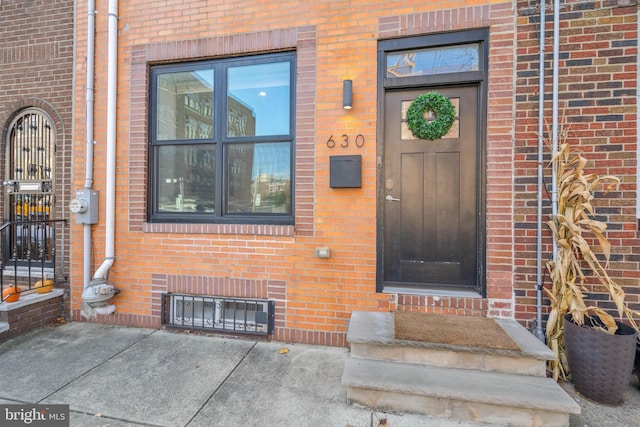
<point x="344" y="141"/>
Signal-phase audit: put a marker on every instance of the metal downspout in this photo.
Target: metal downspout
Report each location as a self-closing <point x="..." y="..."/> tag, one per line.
<point x="96" y="295"/>
<point x="554" y="128"/>
<point x="539" y="333"/>
<point x="88" y="183"/>
<point x="112" y="70"/>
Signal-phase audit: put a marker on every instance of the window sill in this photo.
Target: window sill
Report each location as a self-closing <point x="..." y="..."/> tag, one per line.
<point x="395" y="289"/>
<point x="248" y="229"/>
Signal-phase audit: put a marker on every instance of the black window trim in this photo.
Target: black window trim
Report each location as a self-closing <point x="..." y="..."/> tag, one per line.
<point x="220" y="140"/>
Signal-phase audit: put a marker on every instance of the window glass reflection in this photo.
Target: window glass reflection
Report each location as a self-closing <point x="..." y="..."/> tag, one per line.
<point x="259" y="178"/>
<point x="435" y="60"/>
<point x="258" y="101"/>
<point x="186" y="178"/>
<point x="185" y="105"/>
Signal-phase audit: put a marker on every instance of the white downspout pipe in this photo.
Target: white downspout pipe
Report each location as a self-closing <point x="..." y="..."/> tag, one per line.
<point x="112" y="80"/>
<point x="539" y="333"/>
<point x="88" y="183"/>
<point x="98" y="293"/>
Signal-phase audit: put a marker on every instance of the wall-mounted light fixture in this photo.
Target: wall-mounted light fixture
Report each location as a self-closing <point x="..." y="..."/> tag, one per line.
<point x="323" y="252"/>
<point x="347" y="94"/>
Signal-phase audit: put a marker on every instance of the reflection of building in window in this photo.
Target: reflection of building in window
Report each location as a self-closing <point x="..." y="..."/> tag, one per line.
<point x="435" y="60"/>
<point x="260" y="178"/>
<point x="241" y="166"/>
<point x="187" y="182"/>
<point x="185" y="112"/>
<point x="270" y="194"/>
<point x="185" y="107"/>
<point x="241" y="119"/>
<point x="194" y="152"/>
<point x="403" y="66"/>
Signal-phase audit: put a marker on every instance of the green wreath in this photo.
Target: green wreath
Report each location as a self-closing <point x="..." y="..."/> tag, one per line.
<point x="442" y="107"/>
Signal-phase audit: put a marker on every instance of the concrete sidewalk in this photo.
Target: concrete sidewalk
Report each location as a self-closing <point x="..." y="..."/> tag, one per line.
<point x="116" y="376"/>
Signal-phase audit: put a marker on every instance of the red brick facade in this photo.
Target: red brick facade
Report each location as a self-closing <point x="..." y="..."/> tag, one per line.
<point x="36" y="71"/>
<point x="598" y="101"/>
<point x="334" y="41"/>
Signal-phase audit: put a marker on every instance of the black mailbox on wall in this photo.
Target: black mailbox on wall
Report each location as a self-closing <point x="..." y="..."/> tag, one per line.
<point x="345" y="171"/>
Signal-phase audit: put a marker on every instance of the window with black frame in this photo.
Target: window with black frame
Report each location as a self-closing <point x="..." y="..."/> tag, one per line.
<point x="221" y="141"/>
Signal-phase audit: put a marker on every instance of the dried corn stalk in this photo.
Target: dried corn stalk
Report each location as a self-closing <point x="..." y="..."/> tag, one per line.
<point x="569" y="228"/>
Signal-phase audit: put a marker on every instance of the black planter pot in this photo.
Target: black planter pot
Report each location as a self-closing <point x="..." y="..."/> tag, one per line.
<point x="637" y="362"/>
<point x="601" y="364"/>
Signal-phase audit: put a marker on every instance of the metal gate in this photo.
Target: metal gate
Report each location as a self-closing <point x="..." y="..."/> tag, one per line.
<point x="29" y="181"/>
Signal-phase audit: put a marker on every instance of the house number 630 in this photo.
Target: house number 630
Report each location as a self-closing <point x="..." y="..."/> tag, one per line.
<point x="344" y="141"/>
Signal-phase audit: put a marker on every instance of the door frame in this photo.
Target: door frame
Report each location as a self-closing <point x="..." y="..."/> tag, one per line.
<point x="479" y="77"/>
<point x="46" y="191"/>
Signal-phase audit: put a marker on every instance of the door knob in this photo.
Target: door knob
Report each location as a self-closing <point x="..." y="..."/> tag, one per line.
<point x="389" y="198"/>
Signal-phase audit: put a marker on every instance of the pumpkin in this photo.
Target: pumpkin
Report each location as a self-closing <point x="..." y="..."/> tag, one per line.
<point x="43" y="286"/>
<point x="11" y="294"/>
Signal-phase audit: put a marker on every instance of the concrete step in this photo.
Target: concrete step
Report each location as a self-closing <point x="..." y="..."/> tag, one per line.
<point x="457" y="394"/>
<point x="370" y="335"/>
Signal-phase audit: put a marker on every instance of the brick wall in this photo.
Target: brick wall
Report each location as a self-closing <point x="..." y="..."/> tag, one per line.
<point x="29" y="317"/>
<point x="36" y="70"/>
<point x="597" y="97"/>
<point x="334" y="41"/>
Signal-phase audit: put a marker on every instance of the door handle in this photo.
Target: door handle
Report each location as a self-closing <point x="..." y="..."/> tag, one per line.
<point x="389" y="198"/>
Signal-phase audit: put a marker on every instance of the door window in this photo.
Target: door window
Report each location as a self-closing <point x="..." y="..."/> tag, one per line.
<point x="434" y="60"/>
<point x="30" y="178"/>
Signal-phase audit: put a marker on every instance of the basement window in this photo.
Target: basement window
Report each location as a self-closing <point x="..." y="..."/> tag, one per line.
<point x="214" y="313"/>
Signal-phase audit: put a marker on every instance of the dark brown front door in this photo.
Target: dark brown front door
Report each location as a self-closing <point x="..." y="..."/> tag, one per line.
<point x="430" y="194"/>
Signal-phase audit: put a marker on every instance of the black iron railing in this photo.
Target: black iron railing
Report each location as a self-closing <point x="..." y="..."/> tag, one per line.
<point x="28" y="252"/>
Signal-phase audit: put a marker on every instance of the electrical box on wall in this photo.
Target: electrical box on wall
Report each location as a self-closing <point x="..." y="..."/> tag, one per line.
<point x="85" y="206"/>
<point x="345" y="171"/>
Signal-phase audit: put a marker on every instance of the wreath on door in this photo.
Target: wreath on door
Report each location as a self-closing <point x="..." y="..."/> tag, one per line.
<point x="443" y="109"/>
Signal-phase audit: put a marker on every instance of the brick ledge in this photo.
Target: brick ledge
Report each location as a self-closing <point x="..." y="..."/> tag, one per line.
<point x="29" y="299"/>
<point x="240" y="229"/>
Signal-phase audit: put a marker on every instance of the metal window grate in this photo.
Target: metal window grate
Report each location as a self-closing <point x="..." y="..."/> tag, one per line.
<point x="214" y="313"/>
